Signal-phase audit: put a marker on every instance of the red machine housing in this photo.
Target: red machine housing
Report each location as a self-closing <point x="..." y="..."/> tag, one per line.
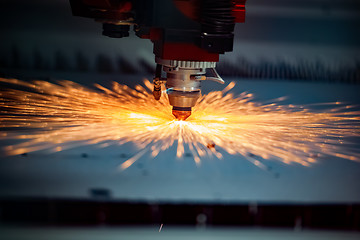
<point x="190" y="51"/>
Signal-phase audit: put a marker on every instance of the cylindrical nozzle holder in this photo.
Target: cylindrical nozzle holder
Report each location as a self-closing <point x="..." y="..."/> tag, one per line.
<point x="183" y="99"/>
<point x="182" y="89"/>
<point x="183" y="81"/>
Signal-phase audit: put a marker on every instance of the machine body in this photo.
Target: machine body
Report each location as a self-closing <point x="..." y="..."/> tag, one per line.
<point x="188" y="36"/>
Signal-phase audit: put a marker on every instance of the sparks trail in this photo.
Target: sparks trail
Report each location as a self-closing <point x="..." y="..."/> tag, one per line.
<point x="67" y="115"/>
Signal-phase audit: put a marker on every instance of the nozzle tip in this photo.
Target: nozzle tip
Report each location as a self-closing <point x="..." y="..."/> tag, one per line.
<point x="181" y="113"/>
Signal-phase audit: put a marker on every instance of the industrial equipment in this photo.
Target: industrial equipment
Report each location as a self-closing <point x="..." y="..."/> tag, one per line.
<point x="188" y="36"/>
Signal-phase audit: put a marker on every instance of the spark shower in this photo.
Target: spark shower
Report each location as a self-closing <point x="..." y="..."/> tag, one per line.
<point x="55" y="117"/>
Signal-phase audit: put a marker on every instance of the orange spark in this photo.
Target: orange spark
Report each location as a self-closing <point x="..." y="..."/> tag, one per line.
<point x="67" y="115"/>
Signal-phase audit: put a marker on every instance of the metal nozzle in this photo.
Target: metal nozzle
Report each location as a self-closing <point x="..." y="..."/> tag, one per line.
<point x="181" y="113"/>
<point x="183" y="91"/>
<point x="183" y="83"/>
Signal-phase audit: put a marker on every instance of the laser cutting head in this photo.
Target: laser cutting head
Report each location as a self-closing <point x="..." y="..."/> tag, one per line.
<point x="188" y="37"/>
<point x="183" y="83"/>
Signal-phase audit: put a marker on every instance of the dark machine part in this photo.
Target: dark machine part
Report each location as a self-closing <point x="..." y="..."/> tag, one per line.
<point x="115" y="31"/>
<point x="188" y="36"/>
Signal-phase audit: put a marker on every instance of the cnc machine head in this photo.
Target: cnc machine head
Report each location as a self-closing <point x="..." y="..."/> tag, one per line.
<point x="188" y="36"/>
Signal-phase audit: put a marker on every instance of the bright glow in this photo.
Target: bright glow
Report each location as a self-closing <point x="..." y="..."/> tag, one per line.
<point x="68" y="115"/>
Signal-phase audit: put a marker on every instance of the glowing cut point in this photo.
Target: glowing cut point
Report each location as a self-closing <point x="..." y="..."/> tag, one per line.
<point x="181" y="115"/>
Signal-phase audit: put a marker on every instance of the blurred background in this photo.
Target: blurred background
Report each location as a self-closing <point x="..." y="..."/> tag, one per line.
<point x="307" y="50"/>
